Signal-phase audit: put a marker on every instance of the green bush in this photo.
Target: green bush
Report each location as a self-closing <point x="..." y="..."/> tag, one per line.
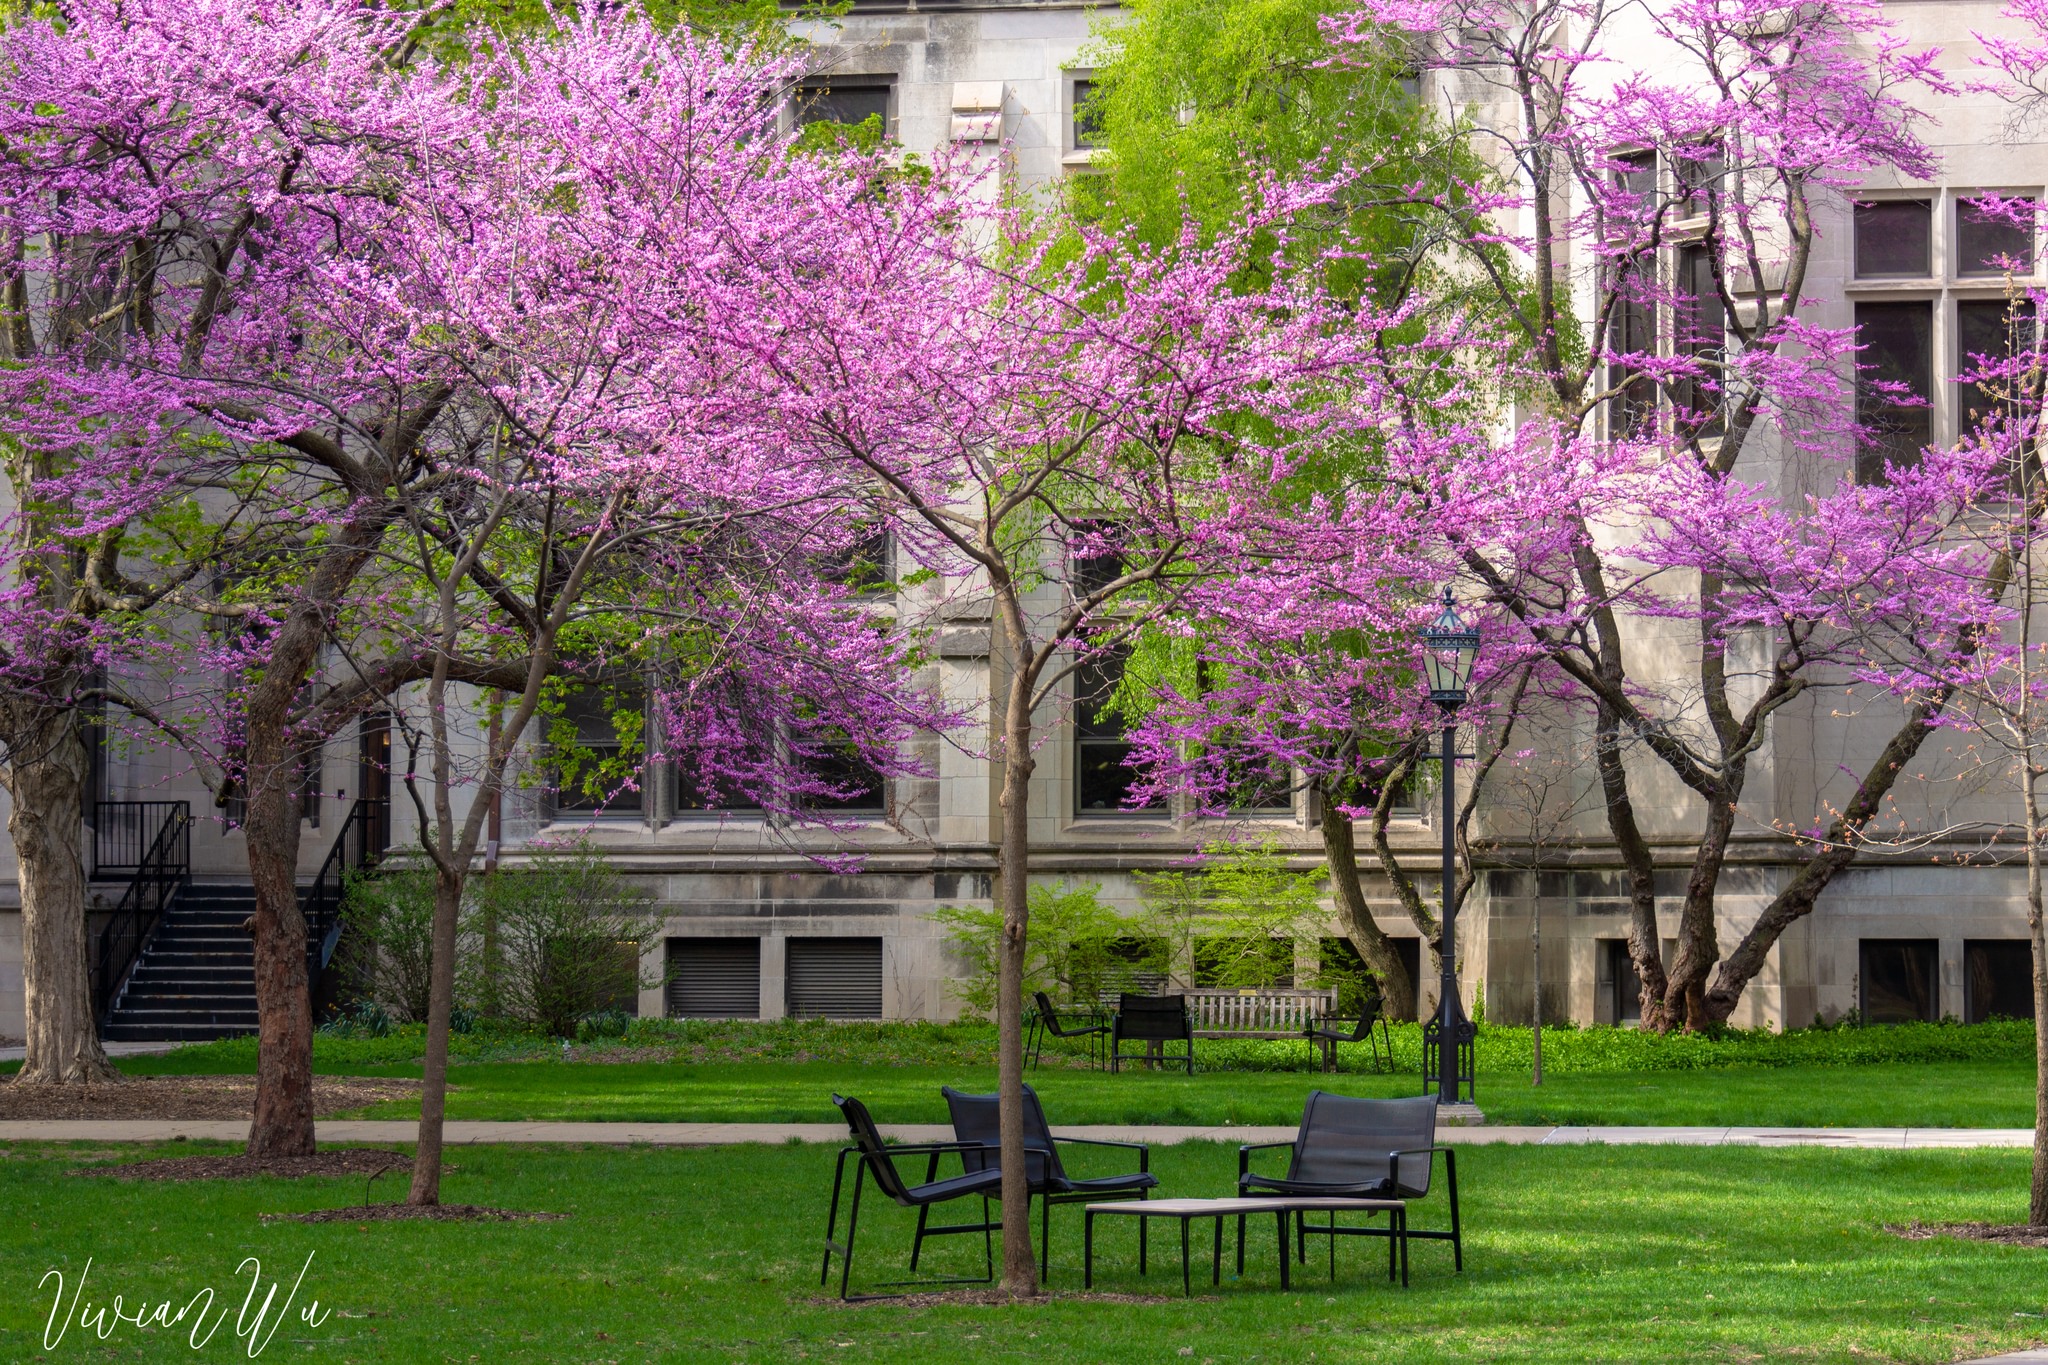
<point x="1070" y="954"/>
<point x="556" y="941"/>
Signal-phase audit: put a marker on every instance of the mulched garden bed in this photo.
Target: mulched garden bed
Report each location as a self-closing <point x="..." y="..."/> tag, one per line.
<point x="409" y="1213"/>
<point x="2011" y="1234"/>
<point x="363" y="1161"/>
<point x="187" y="1097"/>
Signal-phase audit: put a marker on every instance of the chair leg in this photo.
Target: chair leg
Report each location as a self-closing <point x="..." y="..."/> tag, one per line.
<point x="1282" y="1216"/>
<point x="917" y="1242"/>
<point x="1404" y="1248"/>
<point x="988" y="1250"/>
<point x="852" y="1221"/>
<point x="1393" y="1236"/>
<point x="1044" y="1238"/>
<point x="832" y="1222"/>
<point x="1301" y="1241"/>
<point x="1457" y="1232"/>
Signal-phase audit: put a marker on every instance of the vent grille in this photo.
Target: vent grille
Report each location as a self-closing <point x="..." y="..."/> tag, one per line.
<point x="834" y="978"/>
<point x="714" y="978"/>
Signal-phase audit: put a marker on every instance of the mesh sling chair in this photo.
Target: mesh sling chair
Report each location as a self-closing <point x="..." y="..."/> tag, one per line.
<point x="878" y="1159"/>
<point x="1327" y="1030"/>
<point x="1154" y="1020"/>
<point x="1045" y="1023"/>
<point x="1366" y="1149"/>
<point x="978" y="1132"/>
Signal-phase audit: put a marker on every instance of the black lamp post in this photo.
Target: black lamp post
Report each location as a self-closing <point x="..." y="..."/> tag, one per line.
<point x="1449" y="646"/>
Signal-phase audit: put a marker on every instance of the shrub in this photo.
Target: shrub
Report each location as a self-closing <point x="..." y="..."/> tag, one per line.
<point x="557" y="941"/>
<point x="1071" y="953"/>
<point x="387" y="939"/>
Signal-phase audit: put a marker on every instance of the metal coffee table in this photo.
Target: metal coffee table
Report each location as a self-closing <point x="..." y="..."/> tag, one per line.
<point x="1188" y="1210"/>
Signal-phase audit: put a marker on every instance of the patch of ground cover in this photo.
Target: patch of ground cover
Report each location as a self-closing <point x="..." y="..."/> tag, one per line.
<point x="1573" y="1254"/>
<point x="190" y="1097"/>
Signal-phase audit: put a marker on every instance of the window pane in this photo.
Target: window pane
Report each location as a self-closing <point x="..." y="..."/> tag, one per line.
<point x="1898" y="980"/>
<point x="848" y="104"/>
<point x="1632" y="332"/>
<point x="1984" y="243"/>
<point x="1698" y="182"/>
<point x="1087" y="118"/>
<point x="1700" y="332"/>
<point x="1993" y="330"/>
<point x="596" y="768"/>
<point x="696" y="793"/>
<point x="1102" y="780"/>
<point x="1893" y="238"/>
<point x="1898" y="349"/>
<point x="861" y="786"/>
<point x="1998" y="980"/>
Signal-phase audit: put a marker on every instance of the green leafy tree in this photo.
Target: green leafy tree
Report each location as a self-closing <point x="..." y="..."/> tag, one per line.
<point x="1236" y="919"/>
<point x="1072" y="951"/>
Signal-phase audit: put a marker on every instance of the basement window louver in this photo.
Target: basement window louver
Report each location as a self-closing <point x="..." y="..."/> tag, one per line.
<point x="834" y="978"/>
<point x="714" y="978"/>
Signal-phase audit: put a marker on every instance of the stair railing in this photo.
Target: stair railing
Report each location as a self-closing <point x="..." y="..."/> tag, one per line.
<point x="357" y="845"/>
<point x="163" y="867"/>
<point x="122" y="832"/>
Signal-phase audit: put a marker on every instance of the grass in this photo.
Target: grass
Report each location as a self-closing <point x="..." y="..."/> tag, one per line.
<point x="1574" y="1254"/>
<point x="1925" y="1076"/>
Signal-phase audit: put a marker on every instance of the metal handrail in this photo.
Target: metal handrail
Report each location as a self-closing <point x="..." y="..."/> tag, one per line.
<point x="358" y="844"/>
<point x="122" y="832"/>
<point x="162" y="869"/>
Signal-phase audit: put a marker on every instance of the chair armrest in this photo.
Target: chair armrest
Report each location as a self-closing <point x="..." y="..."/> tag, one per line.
<point x="1144" y="1150"/>
<point x="1394" y="1163"/>
<point x="1244" y="1156"/>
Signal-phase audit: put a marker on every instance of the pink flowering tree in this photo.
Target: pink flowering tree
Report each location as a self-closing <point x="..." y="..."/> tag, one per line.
<point x="1077" y="446"/>
<point x="421" y="365"/>
<point x="1662" y="177"/>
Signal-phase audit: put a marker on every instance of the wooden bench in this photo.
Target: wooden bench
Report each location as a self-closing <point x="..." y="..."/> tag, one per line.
<point x="1258" y="1014"/>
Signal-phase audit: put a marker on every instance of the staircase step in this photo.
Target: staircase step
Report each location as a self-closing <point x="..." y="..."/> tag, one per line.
<point x="118" y="1031"/>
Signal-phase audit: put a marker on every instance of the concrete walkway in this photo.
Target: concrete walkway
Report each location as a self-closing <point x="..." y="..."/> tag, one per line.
<point x="462" y="1131"/>
<point x="15" y="1052"/>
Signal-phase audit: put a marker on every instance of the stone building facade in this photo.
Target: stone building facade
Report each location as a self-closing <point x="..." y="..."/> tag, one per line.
<point x="755" y="928"/>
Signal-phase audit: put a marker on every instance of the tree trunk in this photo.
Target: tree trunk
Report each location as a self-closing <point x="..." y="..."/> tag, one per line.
<point x="1020" y="1269"/>
<point x="426" y="1167"/>
<point x="1638" y="865"/>
<point x="1340" y="850"/>
<point x="1837" y="849"/>
<point x="46" y="780"/>
<point x="283" y="1123"/>
<point x="1698" y="943"/>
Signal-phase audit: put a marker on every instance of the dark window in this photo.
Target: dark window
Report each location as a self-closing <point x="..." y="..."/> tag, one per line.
<point x="1087" y="116"/>
<point x="1896" y="379"/>
<point x="1135" y="964"/>
<point x="1987" y="330"/>
<point x="1261" y="787"/>
<point x="1636" y="176"/>
<point x="1343" y="969"/>
<point x="833" y="978"/>
<point x="694" y="792"/>
<point x="1100" y="750"/>
<point x="1237" y="961"/>
<point x="864" y="562"/>
<point x="1998" y="980"/>
<point x="846" y="102"/>
<point x="1699" y="331"/>
<point x="1410" y="83"/>
<point x="1894" y="239"/>
<point x="714" y="978"/>
<point x="1898" y="980"/>
<point x="1986" y="242"/>
<point x="1621" y="986"/>
<point x="1093" y="565"/>
<point x="1631" y="336"/>
<point x="862" y="789"/>
<point x="598" y="744"/>
<point x="1698" y="183"/>
<point x="310" y="770"/>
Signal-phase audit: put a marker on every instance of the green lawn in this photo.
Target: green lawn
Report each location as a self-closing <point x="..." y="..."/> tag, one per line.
<point x="1917" y="1094"/>
<point x="1574" y="1254"/>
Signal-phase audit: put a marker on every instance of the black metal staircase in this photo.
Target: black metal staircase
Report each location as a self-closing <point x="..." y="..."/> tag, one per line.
<point x="176" y="962"/>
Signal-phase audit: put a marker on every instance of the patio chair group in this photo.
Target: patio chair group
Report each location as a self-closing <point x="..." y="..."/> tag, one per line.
<point x="1155" y="1021"/>
<point x="1362" y="1149"/>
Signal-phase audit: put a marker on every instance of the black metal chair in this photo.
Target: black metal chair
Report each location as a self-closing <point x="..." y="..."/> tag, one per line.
<point x="1360" y="1149"/>
<point x="878" y="1158"/>
<point x="1328" y="1030"/>
<point x="1432" y="1054"/>
<point x="1154" y="1020"/>
<point x="977" y="1129"/>
<point x="1045" y="1023"/>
